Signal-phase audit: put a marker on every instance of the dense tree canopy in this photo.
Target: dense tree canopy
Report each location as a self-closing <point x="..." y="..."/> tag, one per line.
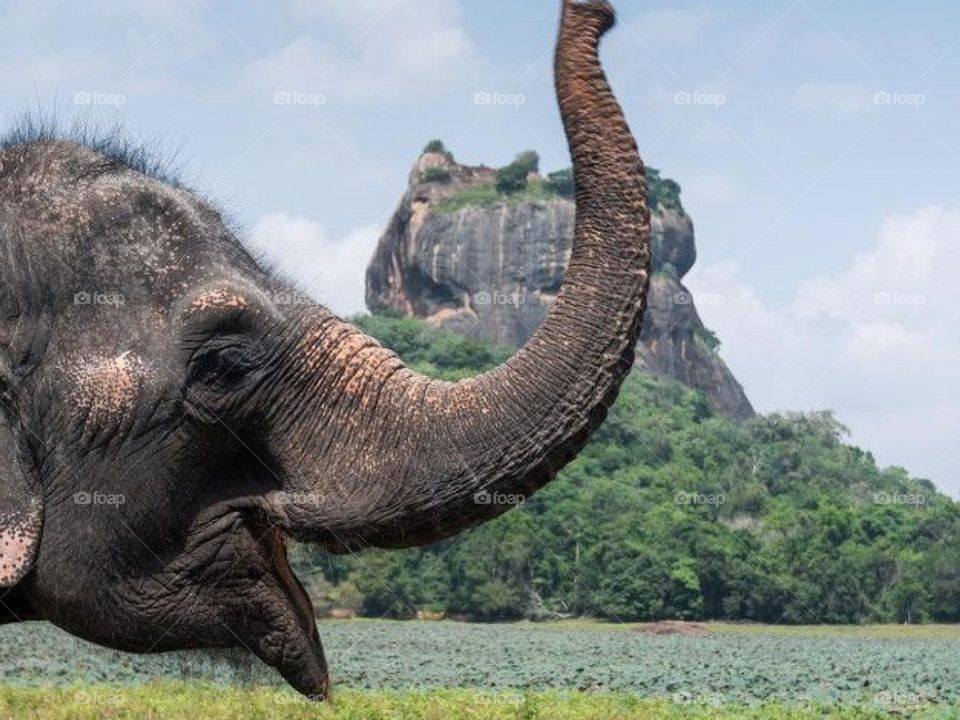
<point x="672" y="512"/>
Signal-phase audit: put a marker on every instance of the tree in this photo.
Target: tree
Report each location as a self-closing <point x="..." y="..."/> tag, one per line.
<point x="513" y="177"/>
<point x="435" y="146"/>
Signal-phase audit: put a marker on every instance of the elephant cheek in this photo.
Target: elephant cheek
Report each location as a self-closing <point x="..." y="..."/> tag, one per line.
<point x="18" y="543"/>
<point x="103" y="390"/>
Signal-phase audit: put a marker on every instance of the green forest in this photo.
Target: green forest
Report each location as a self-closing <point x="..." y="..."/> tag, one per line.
<point x="672" y="512"/>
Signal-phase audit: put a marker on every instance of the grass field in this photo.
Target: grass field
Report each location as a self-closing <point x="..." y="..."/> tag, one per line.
<point x="561" y="670"/>
<point x="863" y="632"/>
<point x="178" y="701"/>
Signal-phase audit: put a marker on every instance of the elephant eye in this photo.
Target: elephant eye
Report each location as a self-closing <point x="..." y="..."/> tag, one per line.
<point x="225" y="366"/>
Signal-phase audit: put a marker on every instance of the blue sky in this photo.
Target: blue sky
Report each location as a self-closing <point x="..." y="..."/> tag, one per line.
<point x="817" y="144"/>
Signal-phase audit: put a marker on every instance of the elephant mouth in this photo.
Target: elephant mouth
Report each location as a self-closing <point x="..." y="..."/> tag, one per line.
<point x="295" y="650"/>
<point x="272" y="541"/>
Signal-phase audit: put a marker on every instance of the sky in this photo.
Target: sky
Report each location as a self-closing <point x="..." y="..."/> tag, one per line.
<point x="816" y="142"/>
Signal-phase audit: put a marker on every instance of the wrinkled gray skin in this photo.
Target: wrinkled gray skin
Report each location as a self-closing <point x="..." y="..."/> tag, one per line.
<point x="160" y="445"/>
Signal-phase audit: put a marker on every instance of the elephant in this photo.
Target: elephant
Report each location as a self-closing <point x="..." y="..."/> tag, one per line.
<point x="174" y="412"/>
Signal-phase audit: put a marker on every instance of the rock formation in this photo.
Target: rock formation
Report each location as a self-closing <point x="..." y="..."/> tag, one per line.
<point x="464" y="257"/>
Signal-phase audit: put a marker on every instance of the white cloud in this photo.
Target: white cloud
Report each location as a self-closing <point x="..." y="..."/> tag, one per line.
<point x="877" y="341"/>
<point x="330" y="269"/>
<point x="384" y="50"/>
<point x="832" y="98"/>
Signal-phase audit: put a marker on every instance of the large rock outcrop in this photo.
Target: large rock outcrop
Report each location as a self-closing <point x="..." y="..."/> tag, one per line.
<point x="460" y="256"/>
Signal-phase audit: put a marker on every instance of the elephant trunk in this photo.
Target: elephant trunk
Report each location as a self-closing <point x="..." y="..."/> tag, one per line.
<point x="400" y="460"/>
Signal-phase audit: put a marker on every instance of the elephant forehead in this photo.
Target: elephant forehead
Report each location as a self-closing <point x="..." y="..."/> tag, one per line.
<point x="218" y="298"/>
<point x="102" y="388"/>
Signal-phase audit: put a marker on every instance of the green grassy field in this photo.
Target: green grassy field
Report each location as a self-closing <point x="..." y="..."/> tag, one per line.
<point x="863" y="632"/>
<point x="574" y="669"/>
<point x="177" y="701"/>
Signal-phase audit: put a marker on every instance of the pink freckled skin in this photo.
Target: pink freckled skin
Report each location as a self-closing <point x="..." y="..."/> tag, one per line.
<point x="218" y="299"/>
<point x="18" y="541"/>
<point x="105" y="388"/>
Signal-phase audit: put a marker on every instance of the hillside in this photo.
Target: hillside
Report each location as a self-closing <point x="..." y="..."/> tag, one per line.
<point x="674" y="511"/>
<point x="482" y="252"/>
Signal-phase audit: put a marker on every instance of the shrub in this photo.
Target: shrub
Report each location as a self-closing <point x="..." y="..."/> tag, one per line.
<point x="511" y="179"/>
<point x="562" y="183"/>
<point x="435" y="146"/>
<point x="528" y="160"/>
<point x="708" y="337"/>
<point x="435" y="174"/>
<point x="662" y="191"/>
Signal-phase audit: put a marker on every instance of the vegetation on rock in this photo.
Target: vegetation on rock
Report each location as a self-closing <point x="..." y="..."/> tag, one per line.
<point x="513" y="178"/>
<point x="662" y="191"/>
<point x="435" y="174"/>
<point x="437" y="146"/>
<point x="513" y="183"/>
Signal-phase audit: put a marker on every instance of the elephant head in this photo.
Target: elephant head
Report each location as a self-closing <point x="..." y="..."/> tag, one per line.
<point x="172" y="413"/>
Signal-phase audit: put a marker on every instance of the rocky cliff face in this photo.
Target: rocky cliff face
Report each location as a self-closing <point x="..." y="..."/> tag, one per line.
<point x="462" y="257"/>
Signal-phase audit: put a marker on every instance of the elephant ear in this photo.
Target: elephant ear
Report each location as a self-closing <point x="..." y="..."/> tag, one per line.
<point x="21" y="513"/>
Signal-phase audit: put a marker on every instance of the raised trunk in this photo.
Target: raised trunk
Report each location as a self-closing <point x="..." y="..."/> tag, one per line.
<point x="406" y="460"/>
